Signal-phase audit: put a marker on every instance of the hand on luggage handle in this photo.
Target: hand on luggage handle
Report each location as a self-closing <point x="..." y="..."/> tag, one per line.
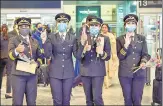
<point x="138" y="68"/>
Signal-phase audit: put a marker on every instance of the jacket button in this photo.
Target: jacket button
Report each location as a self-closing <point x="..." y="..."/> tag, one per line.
<point x="63" y="48"/>
<point x="134" y="58"/>
<point x="91" y="60"/>
<point x="63" y="54"/>
<point x="63" y="66"/>
<point x="135" y="47"/>
<point x="91" y="55"/>
<point x="63" y="60"/>
<point x="132" y="52"/>
<point x="133" y="64"/>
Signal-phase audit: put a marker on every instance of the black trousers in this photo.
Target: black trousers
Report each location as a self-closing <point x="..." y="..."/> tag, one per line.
<point x="6" y="62"/>
<point x="3" y="63"/>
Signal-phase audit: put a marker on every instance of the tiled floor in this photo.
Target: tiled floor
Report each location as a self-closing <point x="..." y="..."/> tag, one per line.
<point x="111" y="96"/>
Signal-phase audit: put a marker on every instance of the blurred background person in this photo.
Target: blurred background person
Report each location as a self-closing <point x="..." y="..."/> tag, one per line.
<point x="4" y="60"/>
<point x="71" y="30"/>
<point x="112" y="64"/>
<point x="48" y="29"/>
<point x="40" y="30"/>
<point x="46" y="57"/>
<point x="14" y="32"/>
<point x="37" y="34"/>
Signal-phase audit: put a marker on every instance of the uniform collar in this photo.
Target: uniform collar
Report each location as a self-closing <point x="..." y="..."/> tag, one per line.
<point x="27" y="37"/>
<point x="62" y="33"/>
<point x="24" y="39"/>
<point x="132" y="35"/>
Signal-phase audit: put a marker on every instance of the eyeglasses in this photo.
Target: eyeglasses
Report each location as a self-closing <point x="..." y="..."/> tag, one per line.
<point x="24" y="26"/>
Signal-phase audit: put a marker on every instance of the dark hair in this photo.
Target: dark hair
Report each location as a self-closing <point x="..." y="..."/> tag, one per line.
<point x="37" y="24"/>
<point x="90" y="17"/>
<point x="5" y="34"/>
<point x="47" y="28"/>
<point x="128" y="21"/>
<point x="106" y="25"/>
<point x="4" y="26"/>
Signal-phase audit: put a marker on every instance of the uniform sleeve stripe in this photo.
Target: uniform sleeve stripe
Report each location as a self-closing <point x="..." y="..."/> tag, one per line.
<point x="39" y="60"/>
<point x="105" y="55"/>
<point x="122" y="52"/>
<point x="11" y="56"/>
<point x="42" y="50"/>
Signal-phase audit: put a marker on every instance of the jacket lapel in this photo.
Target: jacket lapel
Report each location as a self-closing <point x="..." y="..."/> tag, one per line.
<point x="123" y="40"/>
<point x="136" y="38"/>
<point x="58" y="37"/>
<point x="67" y="37"/>
<point x="22" y="39"/>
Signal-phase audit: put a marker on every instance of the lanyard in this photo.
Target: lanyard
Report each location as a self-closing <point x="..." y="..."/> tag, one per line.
<point x="30" y="47"/>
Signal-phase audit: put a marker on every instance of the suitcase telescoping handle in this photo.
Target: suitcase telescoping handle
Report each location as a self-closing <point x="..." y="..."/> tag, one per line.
<point x="159" y="49"/>
<point x="159" y="52"/>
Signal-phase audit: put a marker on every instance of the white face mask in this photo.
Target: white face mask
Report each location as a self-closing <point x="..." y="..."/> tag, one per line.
<point x="43" y="36"/>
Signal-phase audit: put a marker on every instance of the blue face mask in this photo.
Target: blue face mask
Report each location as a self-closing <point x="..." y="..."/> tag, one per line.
<point x="62" y="27"/>
<point x="24" y="31"/>
<point x="130" y="28"/>
<point x="94" y="30"/>
<point x="40" y="29"/>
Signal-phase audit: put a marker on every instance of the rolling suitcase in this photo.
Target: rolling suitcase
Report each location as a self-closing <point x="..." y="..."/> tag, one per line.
<point x="43" y="77"/>
<point x="157" y="92"/>
<point x="158" y="73"/>
<point x="157" y="82"/>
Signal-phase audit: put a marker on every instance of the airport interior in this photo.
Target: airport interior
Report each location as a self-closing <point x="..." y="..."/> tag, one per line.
<point x="112" y="12"/>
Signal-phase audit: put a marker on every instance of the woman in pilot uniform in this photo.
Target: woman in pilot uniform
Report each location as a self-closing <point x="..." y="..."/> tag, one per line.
<point x="61" y="69"/>
<point x="23" y="45"/>
<point x="132" y="52"/>
<point x="93" y="60"/>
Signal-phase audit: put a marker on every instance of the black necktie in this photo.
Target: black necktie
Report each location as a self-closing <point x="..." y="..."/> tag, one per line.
<point x="26" y="40"/>
<point x="62" y="37"/>
<point x="132" y="41"/>
<point x="93" y="41"/>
